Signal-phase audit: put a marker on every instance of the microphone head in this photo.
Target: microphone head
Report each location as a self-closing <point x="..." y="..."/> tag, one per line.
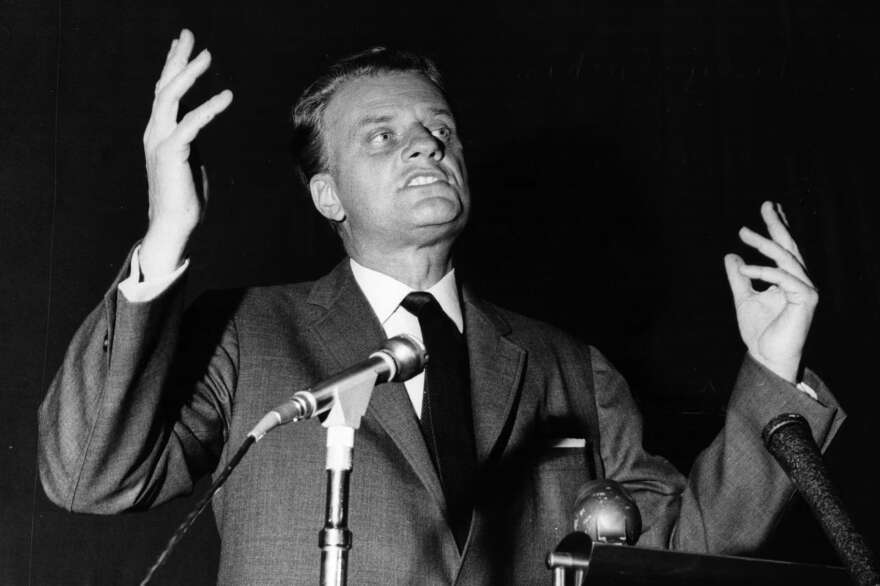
<point x="408" y="354"/>
<point x="605" y="512"/>
<point x="789" y="423"/>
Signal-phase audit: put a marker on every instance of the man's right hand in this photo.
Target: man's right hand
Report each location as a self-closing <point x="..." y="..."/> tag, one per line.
<point x="175" y="208"/>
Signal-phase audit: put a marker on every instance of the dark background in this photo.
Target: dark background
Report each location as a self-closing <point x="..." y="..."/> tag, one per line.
<point x="614" y="149"/>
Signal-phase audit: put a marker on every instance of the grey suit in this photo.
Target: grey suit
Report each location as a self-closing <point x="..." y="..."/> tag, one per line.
<point x="144" y="404"/>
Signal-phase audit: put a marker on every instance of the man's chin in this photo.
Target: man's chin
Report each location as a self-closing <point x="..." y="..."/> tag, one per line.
<point x="439" y="227"/>
<point x="442" y="218"/>
<point x="442" y="209"/>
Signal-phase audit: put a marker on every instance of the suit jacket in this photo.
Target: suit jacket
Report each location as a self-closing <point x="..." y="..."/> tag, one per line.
<point x="148" y="400"/>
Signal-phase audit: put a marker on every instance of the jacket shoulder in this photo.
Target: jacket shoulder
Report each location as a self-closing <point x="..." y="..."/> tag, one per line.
<point x="532" y="332"/>
<point x="246" y="302"/>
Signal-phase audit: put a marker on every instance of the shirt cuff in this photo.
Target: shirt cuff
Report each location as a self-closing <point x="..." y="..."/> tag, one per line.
<point x="137" y="291"/>
<point x="805" y="388"/>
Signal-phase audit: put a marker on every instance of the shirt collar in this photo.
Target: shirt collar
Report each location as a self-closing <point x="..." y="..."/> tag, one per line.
<point x="385" y="293"/>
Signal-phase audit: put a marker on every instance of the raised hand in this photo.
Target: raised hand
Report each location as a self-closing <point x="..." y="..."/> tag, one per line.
<point x="175" y="208"/>
<point x="773" y="323"/>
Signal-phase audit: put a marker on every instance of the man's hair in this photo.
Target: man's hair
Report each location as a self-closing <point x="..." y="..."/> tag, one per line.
<point x="308" y="112"/>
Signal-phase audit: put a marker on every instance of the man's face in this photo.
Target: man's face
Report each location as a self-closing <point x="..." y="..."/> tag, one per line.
<point x="397" y="173"/>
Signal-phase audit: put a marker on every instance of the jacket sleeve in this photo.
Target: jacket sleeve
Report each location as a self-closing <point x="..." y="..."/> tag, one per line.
<point x="735" y="491"/>
<point x="137" y="411"/>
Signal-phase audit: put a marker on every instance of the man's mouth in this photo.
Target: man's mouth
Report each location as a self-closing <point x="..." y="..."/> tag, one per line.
<point x="420" y="180"/>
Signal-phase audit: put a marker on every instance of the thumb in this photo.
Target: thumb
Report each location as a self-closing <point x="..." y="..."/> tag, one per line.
<point x="740" y="285"/>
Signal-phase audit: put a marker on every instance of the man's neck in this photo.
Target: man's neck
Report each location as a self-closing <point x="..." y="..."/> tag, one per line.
<point x="419" y="268"/>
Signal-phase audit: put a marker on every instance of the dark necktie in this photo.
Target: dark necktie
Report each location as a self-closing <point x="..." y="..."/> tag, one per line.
<point x="447" y="423"/>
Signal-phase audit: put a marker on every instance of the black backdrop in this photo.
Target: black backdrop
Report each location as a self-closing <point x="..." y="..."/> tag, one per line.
<point x="614" y="149"/>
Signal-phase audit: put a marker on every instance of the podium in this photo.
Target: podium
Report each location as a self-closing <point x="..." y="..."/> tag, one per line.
<point x="580" y="560"/>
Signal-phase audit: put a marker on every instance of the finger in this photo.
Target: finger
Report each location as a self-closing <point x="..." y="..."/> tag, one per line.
<point x="165" y="74"/>
<point x="198" y="118"/>
<point x="166" y="105"/>
<point x="796" y="290"/>
<point x="740" y="285"/>
<point x="177" y="58"/>
<point x="778" y="229"/>
<point x="775" y="252"/>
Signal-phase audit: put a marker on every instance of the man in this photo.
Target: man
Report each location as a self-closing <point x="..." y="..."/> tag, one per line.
<point x="147" y="401"/>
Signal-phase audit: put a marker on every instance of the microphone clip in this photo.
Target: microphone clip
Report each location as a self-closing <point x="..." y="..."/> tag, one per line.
<point x="349" y="407"/>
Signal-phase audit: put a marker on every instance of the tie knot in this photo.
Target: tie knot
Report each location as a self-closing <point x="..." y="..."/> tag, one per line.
<point x="416" y="301"/>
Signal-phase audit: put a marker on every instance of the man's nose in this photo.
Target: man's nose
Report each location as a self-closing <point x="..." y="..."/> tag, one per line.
<point x="423" y="144"/>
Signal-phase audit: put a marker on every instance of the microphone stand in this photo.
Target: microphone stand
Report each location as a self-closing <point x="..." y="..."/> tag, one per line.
<point x="335" y="539"/>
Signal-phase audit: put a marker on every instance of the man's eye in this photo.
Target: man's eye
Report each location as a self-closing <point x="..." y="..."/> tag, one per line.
<point x="381" y="138"/>
<point x="442" y="132"/>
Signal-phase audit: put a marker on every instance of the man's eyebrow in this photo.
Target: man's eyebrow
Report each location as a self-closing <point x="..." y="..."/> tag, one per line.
<point x="376" y="119"/>
<point x="373" y="119"/>
<point x="441" y="112"/>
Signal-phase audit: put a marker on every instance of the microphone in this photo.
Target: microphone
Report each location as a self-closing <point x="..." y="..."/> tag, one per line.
<point x="605" y="512"/>
<point x="398" y="359"/>
<point x="789" y="439"/>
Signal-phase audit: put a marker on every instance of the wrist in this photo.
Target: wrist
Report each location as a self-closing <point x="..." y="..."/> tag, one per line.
<point x="784" y="369"/>
<point x="163" y="249"/>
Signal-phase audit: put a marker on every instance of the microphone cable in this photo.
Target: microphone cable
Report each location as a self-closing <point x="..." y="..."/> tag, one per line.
<point x="199" y="509"/>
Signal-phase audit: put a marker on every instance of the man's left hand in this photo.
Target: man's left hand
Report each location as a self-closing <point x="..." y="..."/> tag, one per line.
<point x="773" y="323"/>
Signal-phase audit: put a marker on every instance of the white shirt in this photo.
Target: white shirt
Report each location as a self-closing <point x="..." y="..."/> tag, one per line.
<point x="384" y="295"/>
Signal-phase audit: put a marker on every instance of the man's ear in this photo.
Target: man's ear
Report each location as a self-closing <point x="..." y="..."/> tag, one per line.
<point x="325" y="197"/>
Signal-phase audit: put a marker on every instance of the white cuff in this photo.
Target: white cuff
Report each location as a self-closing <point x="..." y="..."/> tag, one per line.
<point x="136" y="291"/>
<point x="805" y="388"/>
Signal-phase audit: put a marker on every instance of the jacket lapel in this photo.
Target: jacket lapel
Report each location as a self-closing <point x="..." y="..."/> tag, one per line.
<point x="496" y="366"/>
<point x="350" y="332"/>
